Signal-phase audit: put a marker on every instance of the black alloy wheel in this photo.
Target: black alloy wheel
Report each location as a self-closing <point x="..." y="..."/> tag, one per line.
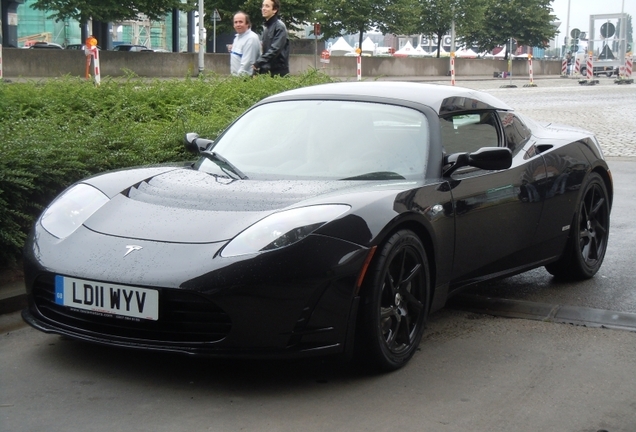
<point x="396" y="302"/>
<point x="585" y="250"/>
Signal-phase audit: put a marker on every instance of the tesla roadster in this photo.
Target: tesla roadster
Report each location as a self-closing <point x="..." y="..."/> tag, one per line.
<point x="325" y="220"/>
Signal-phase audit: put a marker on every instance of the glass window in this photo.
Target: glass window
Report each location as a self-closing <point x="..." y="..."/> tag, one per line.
<point x="327" y="139"/>
<point x="468" y="132"/>
<point x="515" y="131"/>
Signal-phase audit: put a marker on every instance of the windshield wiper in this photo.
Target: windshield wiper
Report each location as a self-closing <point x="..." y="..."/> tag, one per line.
<point x="217" y="157"/>
<point x="377" y="175"/>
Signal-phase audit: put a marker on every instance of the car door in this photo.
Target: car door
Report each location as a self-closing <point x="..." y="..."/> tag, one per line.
<point x="496" y="212"/>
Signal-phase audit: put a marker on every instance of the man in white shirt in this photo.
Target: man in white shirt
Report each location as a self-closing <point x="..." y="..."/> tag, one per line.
<point x="246" y="47"/>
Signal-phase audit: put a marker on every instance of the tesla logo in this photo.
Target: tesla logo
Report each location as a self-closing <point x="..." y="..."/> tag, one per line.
<point x="130" y="248"/>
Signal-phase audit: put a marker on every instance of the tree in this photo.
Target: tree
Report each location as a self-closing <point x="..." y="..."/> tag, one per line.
<point x="434" y="17"/>
<point x="527" y="21"/>
<point x="351" y="16"/>
<point x="294" y="13"/>
<point x="438" y="17"/>
<point x="109" y="10"/>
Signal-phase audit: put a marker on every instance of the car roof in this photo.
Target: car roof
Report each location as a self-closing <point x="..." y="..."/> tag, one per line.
<point x="120" y="46"/>
<point x="444" y="99"/>
<point x="46" y="45"/>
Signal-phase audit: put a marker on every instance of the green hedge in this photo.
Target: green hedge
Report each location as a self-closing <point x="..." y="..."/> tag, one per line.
<point x="55" y="132"/>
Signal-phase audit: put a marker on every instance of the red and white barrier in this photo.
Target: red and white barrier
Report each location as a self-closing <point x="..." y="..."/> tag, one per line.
<point x="564" y="67"/>
<point x="577" y="66"/>
<point x="96" y="70"/>
<point x="92" y="53"/>
<point x="629" y="63"/>
<point x="452" y="68"/>
<point x="590" y="67"/>
<point x="530" y="70"/>
<point x="359" y="67"/>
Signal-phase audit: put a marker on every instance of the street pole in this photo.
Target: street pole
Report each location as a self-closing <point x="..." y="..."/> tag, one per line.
<point x="623" y="34"/>
<point x="201" y="37"/>
<point x="567" y="31"/>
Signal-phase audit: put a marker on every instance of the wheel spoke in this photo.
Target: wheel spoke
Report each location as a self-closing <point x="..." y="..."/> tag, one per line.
<point x="414" y="272"/>
<point x="587" y="250"/>
<point x="389" y="312"/>
<point x="413" y="301"/>
<point x="404" y="330"/>
<point x="390" y="319"/>
<point x="402" y="265"/>
<point x="599" y="205"/>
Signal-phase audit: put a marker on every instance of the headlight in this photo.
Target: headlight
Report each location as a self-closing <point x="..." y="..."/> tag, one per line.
<point x="69" y="211"/>
<point x="282" y="229"/>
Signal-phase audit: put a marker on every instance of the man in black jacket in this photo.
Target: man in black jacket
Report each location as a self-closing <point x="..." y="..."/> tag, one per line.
<point x="275" y="57"/>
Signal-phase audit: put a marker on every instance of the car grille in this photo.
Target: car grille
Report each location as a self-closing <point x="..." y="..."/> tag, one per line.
<point x="184" y="317"/>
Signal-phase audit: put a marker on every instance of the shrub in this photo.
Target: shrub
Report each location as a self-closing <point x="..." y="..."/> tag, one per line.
<point x="55" y="132"/>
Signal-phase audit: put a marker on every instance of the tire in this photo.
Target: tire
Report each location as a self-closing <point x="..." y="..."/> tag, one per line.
<point x="395" y="302"/>
<point x="587" y="242"/>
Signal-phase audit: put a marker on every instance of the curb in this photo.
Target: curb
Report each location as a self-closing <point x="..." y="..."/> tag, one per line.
<point x="12" y="296"/>
<point x="576" y="315"/>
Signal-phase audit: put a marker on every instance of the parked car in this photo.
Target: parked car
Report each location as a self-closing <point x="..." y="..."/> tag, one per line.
<point x="327" y="220"/>
<point x="78" y="47"/>
<point x="44" y="45"/>
<point x="608" y="71"/>
<point x="132" y="48"/>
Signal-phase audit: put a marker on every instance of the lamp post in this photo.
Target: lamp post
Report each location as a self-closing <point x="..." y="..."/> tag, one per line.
<point x="567" y="30"/>
<point x="201" y="37"/>
<point x="623" y="35"/>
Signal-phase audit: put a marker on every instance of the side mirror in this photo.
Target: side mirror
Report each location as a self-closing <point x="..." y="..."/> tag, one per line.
<point x="488" y="158"/>
<point x="194" y="144"/>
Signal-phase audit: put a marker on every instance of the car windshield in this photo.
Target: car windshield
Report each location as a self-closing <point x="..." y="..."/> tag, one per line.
<point x="326" y="140"/>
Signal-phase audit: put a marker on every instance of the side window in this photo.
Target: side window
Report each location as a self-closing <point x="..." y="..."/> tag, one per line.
<point x="515" y="131"/>
<point x="468" y="132"/>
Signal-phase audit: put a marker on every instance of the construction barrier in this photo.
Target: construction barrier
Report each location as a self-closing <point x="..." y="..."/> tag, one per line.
<point x="359" y="67"/>
<point x="625" y="76"/>
<point x="92" y="53"/>
<point x="564" y="68"/>
<point x="96" y="71"/>
<point x="324" y="57"/>
<point x="530" y="72"/>
<point x="589" y="65"/>
<point x="577" y="66"/>
<point x="452" y="68"/>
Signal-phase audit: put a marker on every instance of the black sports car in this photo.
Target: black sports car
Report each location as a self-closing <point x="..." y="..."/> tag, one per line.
<point x="325" y="220"/>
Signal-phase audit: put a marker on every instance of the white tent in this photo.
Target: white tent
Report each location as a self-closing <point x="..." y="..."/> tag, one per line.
<point x="419" y="52"/>
<point x="501" y="54"/>
<point x="368" y="46"/>
<point x="340" y="47"/>
<point x="405" y="51"/>
<point x="442" y="52"/>
<point x="466" y="53"/>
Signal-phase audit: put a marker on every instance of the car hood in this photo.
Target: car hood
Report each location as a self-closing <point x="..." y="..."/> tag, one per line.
<point x="188" y="206"/>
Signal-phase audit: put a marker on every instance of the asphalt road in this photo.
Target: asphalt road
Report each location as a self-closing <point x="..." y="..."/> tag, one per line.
<point x="473" y="372"/>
